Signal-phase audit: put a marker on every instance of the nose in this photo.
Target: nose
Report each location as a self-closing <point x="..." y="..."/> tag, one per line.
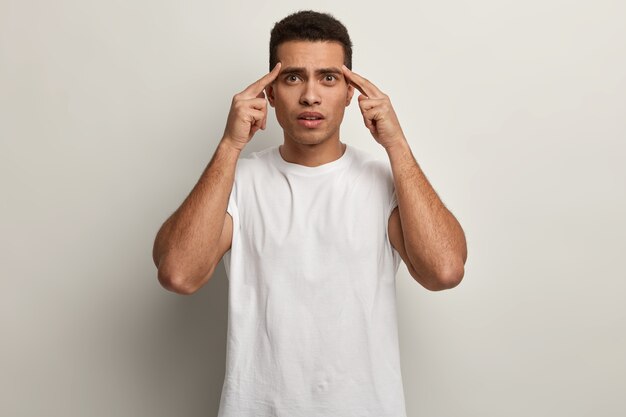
<point x="310" y="95"/>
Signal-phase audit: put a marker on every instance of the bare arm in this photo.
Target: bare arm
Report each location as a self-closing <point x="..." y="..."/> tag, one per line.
<point x="186" y="247"/>
<point x="192" y="241"/>
<point x="422" y="229"/>
<point x="432" y="237"/>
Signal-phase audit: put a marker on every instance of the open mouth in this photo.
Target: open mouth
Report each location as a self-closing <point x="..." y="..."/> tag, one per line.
<point x="310" y="119"/>
<point x="310" y="116"/>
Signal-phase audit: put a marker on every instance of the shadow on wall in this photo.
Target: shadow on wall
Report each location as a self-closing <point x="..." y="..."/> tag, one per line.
<point x="186" y="357"/>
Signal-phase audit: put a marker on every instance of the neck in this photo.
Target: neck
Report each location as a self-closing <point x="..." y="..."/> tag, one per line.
<point x="312" y="155"/>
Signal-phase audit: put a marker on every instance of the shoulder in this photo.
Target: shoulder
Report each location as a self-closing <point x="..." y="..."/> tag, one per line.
<point x="254" y="162"/>
<point x="375" y="167"/>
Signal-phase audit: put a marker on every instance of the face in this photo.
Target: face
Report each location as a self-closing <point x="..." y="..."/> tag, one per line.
<point x="310" y="94"/>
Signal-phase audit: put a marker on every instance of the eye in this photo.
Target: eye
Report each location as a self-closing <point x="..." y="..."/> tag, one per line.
<point x="330" y="78"/>
<point x="292" y="78"/>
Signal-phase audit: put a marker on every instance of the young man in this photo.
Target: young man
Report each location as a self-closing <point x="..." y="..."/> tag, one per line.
<point x="312" y="233"/>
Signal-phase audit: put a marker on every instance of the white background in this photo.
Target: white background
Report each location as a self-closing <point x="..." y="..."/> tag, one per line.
<point x="515" y="111"/>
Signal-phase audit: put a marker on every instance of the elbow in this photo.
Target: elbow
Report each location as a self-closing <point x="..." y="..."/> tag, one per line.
<point x="450" y="278"/>
<point x="179" y="283"/>
<point x="173" y="283"/>
<point x="445" y="280"/>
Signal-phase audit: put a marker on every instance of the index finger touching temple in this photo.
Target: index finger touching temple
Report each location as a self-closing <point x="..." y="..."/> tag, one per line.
<point x="361" y="84"/>
<point x="258" y="86"/>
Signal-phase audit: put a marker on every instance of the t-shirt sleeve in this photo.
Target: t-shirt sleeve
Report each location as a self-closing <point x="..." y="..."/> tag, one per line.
<point x="391" y="204"/>
<point x="233" y="210"/>
<point x="392" y="198"/>
<point x="232" y="204"/>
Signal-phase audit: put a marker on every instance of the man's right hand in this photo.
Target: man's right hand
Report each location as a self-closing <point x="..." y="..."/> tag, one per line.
<point x="248" y="111"/>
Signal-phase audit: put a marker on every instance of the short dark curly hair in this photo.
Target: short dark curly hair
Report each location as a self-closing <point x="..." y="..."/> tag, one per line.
<point x="308" y="25"/>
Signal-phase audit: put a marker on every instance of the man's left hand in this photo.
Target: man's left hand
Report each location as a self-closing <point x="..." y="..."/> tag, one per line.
<point x="377" y="111"/>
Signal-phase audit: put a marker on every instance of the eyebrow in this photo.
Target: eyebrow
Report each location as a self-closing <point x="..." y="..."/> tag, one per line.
<point x="302" y="70"/>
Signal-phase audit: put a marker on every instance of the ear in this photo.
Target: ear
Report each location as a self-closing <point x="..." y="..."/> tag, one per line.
<point x="349" y="94"/>
<point x="269" y="92"/>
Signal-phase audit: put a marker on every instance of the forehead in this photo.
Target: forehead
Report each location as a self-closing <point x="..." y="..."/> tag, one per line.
<point x="310" y="54"/>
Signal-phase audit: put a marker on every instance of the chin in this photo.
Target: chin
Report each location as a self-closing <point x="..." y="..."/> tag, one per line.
<point x="308" y="139"/>
<point x="305" y="137"/>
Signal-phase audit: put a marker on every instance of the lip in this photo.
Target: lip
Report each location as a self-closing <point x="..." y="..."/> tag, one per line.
<point x="310" y="123"/>
<point x="310" y="114"/>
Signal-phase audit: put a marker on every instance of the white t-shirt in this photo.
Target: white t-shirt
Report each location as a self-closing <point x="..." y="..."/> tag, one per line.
<point x="312" y="324"/>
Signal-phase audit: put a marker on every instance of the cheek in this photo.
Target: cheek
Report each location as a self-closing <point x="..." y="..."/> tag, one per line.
<point x="282" y="99"/>
<point x="339" y="101"/>
<point x="281" y="106"/>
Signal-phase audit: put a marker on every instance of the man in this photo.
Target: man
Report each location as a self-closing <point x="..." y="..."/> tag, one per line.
<point x="312" y="233"/>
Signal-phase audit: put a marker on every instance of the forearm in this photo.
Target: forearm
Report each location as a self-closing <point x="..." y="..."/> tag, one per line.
<point x="186" y="245"/>
<point x="433" y="238"/>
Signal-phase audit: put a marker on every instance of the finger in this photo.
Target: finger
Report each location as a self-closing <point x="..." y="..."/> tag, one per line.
<point x="369" y="123"/>
<point x="253" y="130"/>
<point x="367" y="117"/>
<point x="257" y="103"/>
<point x="259" y="124"/>
<point x="352" y="83"/>
<point x="371" y="114"/>
<point x="256" y="126"/>
<point x="361" y="84"/>
<point x="255" y="117"/>
<point x="367" y="103"/>
<point x="256" y="88"/>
